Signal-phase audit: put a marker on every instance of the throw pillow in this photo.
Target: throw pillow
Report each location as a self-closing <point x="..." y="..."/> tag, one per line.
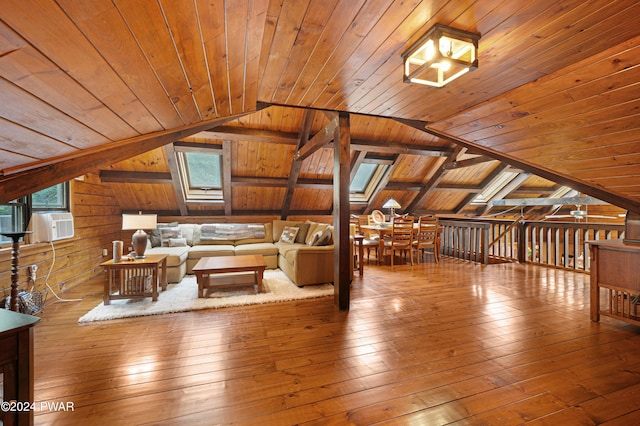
<point x="167" y="233"/>
<point x="325" y="239"/>
<point x="155" y="236"/>
<point x="302" y="233"/>
<point x="177" y="242"/>
<point x="289" y="234"/>
<point x="313" y="239"/>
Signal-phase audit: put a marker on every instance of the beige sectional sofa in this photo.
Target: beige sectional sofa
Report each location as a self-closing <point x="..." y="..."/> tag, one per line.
<point x="306" y="259"/>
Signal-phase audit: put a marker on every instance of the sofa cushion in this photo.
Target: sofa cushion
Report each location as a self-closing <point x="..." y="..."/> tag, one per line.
<point x="288" y="251"/>
<point x="176" y="255"/>
<point x="265" y="249"/>
<point x="199" y="251"/>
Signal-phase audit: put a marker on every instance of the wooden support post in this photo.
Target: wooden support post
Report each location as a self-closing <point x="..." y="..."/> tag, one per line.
<point x="342" y="250"/>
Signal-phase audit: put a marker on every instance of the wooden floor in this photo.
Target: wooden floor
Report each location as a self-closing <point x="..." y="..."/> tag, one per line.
<point x="453" y="343"/>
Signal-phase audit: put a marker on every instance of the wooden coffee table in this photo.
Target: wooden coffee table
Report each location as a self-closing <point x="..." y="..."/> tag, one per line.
<point x="208" y="266"/>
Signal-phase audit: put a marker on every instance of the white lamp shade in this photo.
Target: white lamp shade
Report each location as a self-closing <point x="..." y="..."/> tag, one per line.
<point x="139" y="221"/>
<point x="391" y="204"/>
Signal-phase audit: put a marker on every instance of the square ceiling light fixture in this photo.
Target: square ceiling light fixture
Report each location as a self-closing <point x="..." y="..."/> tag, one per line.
<point x="440" y="56"/>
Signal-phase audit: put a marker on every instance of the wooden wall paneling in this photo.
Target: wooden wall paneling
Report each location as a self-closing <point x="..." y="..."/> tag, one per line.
<point x="61" y="128"/>
<point x="372" y="29"/>
<point x="588" y="32"/>
<point x="520" y="25"/>
<point x="376" y="77"/>
<point x="257" y="11"/>
<point x="42" y="175"/>
<point x="440" y="200"/>
<point x="343" y="17"/>
<point x="69" y="97"/>
<point x="315" y="22"/>
<point x="15" y="150"/>
<point x="355" y="45"/>
<point x="236" y="22"/>
<point x="187" y="39"/>
<point x="97" y="222"/>
<point x="103" y="25"/>
<point x="312" y="199"/>
<point x="146" y="22"/>
<point x="211" y="21"/>
<point x="89" y="69"/>
<point x="285" y="32"/>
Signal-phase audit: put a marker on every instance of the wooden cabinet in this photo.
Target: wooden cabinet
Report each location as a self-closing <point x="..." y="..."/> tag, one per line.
<point x="16" y="364"/>
<point x="615" y="280"/>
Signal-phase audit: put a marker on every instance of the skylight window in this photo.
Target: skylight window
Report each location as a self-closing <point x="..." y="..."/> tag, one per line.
<point x="201" y="175"/>
<point x="365" y="181"/>
<point x="492" y="189"/>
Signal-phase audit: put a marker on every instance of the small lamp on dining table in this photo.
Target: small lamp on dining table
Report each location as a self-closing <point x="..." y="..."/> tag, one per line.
<point x="139" y="222"/>
<point x="391" y="204"/>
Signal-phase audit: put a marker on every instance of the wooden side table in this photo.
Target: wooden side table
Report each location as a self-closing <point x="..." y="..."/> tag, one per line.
<point x="135" y="277"/>
<point x="16" y="365"/>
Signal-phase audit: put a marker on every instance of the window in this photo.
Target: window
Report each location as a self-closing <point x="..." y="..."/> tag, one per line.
<point x="52" y="198"/>
<point x="365" y="181"/>
<point x="15" y="214"/>
<point x="201" y="175"/>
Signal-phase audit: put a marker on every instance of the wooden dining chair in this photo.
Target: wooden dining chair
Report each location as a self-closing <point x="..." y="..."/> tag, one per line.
<point x="401" y="237"/>
<point x="426" y="237"/>
<point x="371" y="240"/>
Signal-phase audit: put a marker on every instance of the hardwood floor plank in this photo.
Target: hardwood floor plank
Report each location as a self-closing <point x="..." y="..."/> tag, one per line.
<point x="425" y="344"/>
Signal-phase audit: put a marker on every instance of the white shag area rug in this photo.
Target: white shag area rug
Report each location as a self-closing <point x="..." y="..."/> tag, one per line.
<point x="183" y="297"/>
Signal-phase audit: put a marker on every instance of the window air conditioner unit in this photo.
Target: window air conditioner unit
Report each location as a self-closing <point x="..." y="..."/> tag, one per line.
<point x="51" y="226"/>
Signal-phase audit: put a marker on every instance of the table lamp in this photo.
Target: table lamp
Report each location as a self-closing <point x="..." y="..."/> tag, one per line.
<point x="139" y="222"/>
<point x="391" y="204"/>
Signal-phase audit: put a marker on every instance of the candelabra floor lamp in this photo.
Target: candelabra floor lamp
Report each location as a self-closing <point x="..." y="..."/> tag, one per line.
<point x="15" y="261"/>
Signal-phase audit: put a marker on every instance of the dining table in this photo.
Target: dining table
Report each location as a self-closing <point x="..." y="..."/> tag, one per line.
<point x="386" y="228"/>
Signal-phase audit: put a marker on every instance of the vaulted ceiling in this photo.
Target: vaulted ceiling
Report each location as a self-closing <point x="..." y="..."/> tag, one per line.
<point x="108" y="87"/>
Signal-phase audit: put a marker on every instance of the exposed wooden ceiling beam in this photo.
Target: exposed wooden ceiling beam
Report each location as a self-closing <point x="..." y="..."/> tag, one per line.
<point x="36" y="176"/>
<point x="296" y="164"/>
<point x="486" y="181"/>
<point x="507" y="189"/>
<point x="582" y="200"/>
<point x="435" y="180"/>
<point x="250" y="135"/>
<point x="205" y="148"/>
<point x="582" y="187"/>
<point x="124" y="176"/>
<point x="240" y="181"/>
<point x="399" y="148"/>
<point x="318" y="141"/>
<point x="470" y="162"/>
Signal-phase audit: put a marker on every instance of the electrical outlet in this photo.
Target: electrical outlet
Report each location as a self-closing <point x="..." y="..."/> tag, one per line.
<point x="105" y="252"/>
<point x="33" y="270"/>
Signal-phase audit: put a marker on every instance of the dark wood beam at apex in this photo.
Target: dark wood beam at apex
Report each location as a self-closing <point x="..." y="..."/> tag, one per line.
<point x="296" y="164"/>
<point x="564" y="180"/>
<point x="36" y="176"/>
<point x="125" y="176"/>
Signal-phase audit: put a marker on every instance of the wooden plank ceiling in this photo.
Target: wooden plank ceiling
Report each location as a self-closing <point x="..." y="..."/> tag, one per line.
<point x="104" y="86"/>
